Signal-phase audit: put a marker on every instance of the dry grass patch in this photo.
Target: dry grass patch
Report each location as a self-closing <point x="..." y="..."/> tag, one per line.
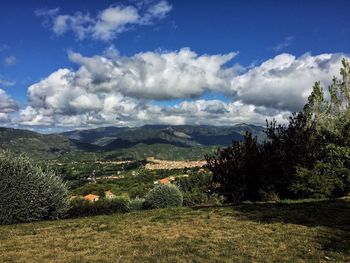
<point x="305" y="232"/>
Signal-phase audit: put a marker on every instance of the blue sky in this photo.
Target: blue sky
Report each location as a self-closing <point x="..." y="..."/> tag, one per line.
<point x="307" y="34"/>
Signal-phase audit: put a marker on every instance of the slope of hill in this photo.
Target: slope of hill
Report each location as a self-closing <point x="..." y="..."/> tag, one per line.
<point x="43" y="146"/>
<point x="265" y="232"/>
<point x="161" y="141"/>
<point x="111" y="138"/>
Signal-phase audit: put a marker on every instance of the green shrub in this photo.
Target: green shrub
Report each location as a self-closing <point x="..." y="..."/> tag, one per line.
<point x="195" y="189"/>
<point x="269" y="196"/>
<point x="81" y="207"/>
<point x="328" y="178"/>
<point x="196" y="182"/>
<point x="195" y="198"/>
<point x="27" y="193"/>
<point x="323" y="181"/>
<point x="136" y="203"/>
<point x="163" y="196"/>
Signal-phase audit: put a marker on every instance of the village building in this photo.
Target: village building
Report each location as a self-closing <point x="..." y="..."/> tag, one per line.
<point x="164" y="181"/>
<point x="109" y="195"/>
<point x="92" y="197"/>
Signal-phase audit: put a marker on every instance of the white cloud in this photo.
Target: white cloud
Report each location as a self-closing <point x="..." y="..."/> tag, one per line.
<point x="155" y="75"/>
<point x="10" y="60"/>
<point x="79" y="24"/>
<point x="6" y="83"/>
<point x="7" y="106"/>
<point x="284" y="82"/>
<point x="158" y="10"/>
<point x="108" y="23"/>
<point x="118" y="90"/>
<point x="286" y="43"/>
<point x="113" y="21"/>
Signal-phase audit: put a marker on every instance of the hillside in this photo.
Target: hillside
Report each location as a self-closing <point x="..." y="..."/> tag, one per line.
<point x="111" y="138"/>
<point x="183" y="142"/>
<point x="315" y="231"/>
<point x="43" y="146"/>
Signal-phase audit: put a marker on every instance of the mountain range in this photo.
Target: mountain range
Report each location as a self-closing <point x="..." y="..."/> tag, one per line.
<point x="120" y="140"/>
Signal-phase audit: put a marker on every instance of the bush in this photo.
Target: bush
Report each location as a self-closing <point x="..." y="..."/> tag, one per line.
<point x="136" y="203"/>
<point x="195" y="189"/>
<point x="269" y="196"/>
<point x="27" y="193"/>
<point x="81" y="207"/>
<point x="195" y="198"/>
<point x="163" y="196"/>
<point x="195" y="182"/>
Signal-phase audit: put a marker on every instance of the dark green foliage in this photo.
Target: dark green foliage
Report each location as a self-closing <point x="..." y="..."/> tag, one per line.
<point x="195" y="189"/>
<point x="163" y="196"/>
<point x="251" y="171"/>
<point x="197" y="181"/>
<point x="307" y="158"/>
<point x="270" y="196"/>
<point x="27" y="193"/>
<point x="237" y="170"/>
<point x="81" y="207"/>
<point x="136" y="203"/>
<point x="328" y="178"/>
<point x="297" y="145"/>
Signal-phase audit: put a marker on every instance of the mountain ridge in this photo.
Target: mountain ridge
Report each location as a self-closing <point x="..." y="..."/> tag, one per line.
<point x="120" y="139"/>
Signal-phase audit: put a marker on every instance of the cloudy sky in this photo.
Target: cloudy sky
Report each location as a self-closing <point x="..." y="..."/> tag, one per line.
<point x="81" y="64"/>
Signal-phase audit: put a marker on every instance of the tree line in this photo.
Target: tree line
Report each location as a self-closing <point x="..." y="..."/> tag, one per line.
<point x="308" y="158"/>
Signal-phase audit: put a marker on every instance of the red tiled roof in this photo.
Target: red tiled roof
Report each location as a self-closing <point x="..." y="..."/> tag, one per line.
<point x="91" y="197"/>
<point x="164" y="181"/>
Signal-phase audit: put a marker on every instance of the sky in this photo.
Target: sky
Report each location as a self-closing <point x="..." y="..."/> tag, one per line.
<point x="82" y="64"/>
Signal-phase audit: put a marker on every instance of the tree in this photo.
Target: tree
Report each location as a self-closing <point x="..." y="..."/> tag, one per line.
<point x="308" y="157"/>
<point x="237" y="173"/>
<point x="316" y="104"/>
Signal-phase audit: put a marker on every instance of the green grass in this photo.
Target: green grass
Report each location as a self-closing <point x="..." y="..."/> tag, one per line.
<point x="317" y="231"/>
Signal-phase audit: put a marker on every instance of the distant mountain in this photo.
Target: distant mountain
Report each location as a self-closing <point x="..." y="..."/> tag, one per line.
<point x="43" y="146"/>
<point x="174" y="142"/>
<point x="111" y="138"/>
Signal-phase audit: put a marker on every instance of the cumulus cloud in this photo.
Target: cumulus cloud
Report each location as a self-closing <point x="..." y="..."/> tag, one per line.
<point x="118" y="89"/>
<point x="108" y="23"/>
<point x="215" y="112"/>
<point x="7" y="106"/>
<point x="155" y="75"/>
<point x="285" y="81"/>
<point x="112" y="89"/>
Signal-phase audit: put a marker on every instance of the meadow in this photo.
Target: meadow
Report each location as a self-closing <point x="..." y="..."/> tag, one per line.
<point x="288" y="231"/>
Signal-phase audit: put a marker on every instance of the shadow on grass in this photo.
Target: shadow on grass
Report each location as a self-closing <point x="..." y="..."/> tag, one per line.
<point x="332" y="214"/>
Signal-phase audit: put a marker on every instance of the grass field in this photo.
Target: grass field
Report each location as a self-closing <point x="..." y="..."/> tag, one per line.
<point x="309" y="231"/>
